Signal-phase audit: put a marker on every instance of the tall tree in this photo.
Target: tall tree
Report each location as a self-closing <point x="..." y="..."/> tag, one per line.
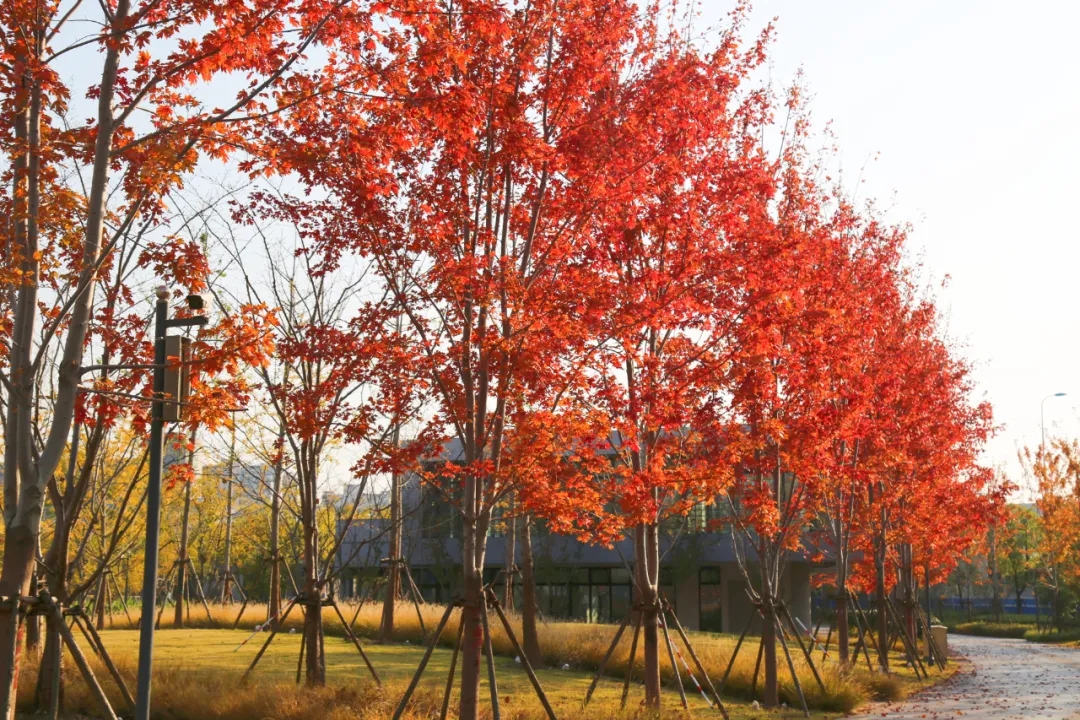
<point x="75" y="188"/>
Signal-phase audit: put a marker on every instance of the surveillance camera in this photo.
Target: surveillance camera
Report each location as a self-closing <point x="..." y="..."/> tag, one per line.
<point x="196" y="301"/>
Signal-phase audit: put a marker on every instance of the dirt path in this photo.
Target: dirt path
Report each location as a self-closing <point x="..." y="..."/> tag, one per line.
<point x="1004" y="679"/>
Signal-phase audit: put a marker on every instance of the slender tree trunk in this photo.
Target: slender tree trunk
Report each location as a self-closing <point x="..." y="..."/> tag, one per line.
<point x="474" y="548"/>
<point x="842" y="636"/>
<point x="648" y="573"/>
<point x="56" y="560"/>
<point x="995" y="581"/>
<point x="274" y="602"/>
<point x="182" y="557"/>
<point x="907" y="572"/>
<point x="33" y="623"/>
<point x="100" y="600"/>
<point x="771" y="686"/>
<point x="393" y="585"/>
<point x="313" y="626"/>
<point x="530" y="638"/>
<point x="882" y="617"/>
<point x="511" y="558"/>
<point x="226" y="585"/>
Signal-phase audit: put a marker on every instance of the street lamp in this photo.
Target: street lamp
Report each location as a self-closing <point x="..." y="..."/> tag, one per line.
<point x="1042" y="425"/>
<point x="162" y="323"/>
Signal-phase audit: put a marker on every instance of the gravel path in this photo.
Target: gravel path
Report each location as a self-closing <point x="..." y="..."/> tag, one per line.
<point x="1003" y="679"/>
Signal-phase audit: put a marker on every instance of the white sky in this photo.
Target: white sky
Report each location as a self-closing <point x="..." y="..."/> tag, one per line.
<point x="972" y="108"/>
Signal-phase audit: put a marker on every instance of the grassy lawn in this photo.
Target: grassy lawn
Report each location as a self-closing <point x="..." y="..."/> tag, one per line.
<point x="197" y="673"/>
<point x="210" y="659"/>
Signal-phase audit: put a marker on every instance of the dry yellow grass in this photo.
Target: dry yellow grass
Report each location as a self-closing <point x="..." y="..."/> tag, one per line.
<point x="582" y="646"/>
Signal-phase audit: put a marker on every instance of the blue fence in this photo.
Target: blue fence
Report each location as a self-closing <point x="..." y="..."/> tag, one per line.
<point x="977" y="605"/>
<point x="985" y="605"/>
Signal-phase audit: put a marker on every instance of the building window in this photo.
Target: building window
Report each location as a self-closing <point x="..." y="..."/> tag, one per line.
<point x="433" y="588"/>
<point x="438" y="517"/>
<point x="710" y="617"/>
<point x="597" y="595"/>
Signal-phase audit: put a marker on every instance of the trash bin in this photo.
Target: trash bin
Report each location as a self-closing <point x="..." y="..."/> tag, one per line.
<point x="941" y="639"/>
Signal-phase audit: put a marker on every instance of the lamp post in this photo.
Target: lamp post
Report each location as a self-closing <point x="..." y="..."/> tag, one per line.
<point x="1042" y="425"/>
<point x="153" y="491"/>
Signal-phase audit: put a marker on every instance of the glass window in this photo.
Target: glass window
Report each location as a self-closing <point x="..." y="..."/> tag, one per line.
<point x="620" y="575"/>
<point x="710" y="615"/>
<point x="600" y="575"/>
<point x="600" y="605"/>
<point x="620" y="601"/>
<point x="579" y="576"/>
<point x="709" y="576"/>
<point x="579" y="602"/>
<point x="560" y="600"/>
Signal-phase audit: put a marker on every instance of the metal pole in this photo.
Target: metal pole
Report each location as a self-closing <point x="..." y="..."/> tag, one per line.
<point x="226" y="586"/>
<point x="1042" y="424"/>
<point x="153" y="513"/>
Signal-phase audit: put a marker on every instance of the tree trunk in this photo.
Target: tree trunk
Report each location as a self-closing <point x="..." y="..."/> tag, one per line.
<point x="511" y="557"/>
<point x="56" y="559"/>
<point x="648" y="572"/>
<point x="19" y="546"/>
<point x="995" y="581"/>
<point x="313" y="628"/>
<point x="181" y="560"/>
<point x="771" y="687"/>
<point x="226" y="585"/>
<point x="33" y="623"/>
<point x="273" y="608"/>
<point x="882" y="617"/>
<point x="393" y="584"/>
<point x="473" y="639"/>
<point x="100" y="600"/>
<point x="530" y="638"/>
<point x="842" y="637"/>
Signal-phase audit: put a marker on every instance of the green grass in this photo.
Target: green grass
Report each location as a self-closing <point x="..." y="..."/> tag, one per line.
<point x="992" y="629"/>
<point x="206" y="656"/>
<point x="197" y="674"/>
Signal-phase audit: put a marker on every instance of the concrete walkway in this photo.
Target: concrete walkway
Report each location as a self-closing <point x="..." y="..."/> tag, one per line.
<point x="1003" y="679"/>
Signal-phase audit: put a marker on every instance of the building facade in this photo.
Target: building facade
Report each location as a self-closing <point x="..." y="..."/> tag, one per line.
<point x="699" y="575"/>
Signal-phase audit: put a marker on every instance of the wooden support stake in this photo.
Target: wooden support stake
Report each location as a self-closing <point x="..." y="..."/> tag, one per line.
<point x="303" y="645"/>
<point x="54" y="686"/>
<point x="356" y="642"/>
<point x="432" y="641"/>
<point x="243" y="606"/>
<point x="630" y="662"/>
<point x="910" y="648"/>
<point x="82" y="622"/>
<point x="167" y="583"/>
<point x="674" y="665"/>
<point x="84" y="667"/>
<point x="731" y="661"/>
<point x="417" y="598"/>
<point x="123" y="600"/>
<point x="116" y="676"/>
<point x="453" y="667"/>
<point x="273" y="632"/>
<point x="757" y="668"/>
<point x="492" y="684"/>
<point x="806" y="652"/>
<point x="607" y="657"/>
<point x="202" y="595"/>
<point x="868" y="634"/>
<point x="521" y="654"/>
<point x="371" y="594"/>
<point x="791" y="667"/>
<point x="697" y="662"/>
